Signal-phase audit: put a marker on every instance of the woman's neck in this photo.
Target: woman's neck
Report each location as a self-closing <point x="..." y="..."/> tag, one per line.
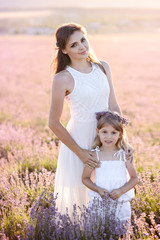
<point x="82" y="66"/>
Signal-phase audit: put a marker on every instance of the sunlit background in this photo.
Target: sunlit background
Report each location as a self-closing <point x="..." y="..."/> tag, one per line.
<point x="13" y="4"/>
<point x="104" y="16"/>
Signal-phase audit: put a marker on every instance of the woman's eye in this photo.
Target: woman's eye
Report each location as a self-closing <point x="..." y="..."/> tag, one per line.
<point x="73" y="45"/>
<point x="83" y="39"/>
<point x="114" y="132"/>
<point x="104" y="131"/>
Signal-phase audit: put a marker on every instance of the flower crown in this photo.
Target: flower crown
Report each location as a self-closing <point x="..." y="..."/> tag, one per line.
<point x="111" y="115"/>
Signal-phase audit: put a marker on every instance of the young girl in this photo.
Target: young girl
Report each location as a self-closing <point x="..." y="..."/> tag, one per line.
<point x="111" y="176"/>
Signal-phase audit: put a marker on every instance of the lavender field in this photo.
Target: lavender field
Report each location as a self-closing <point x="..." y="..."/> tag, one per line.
<point x="29" y="150"/>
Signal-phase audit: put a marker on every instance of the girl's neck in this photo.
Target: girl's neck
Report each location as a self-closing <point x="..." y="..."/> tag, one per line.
<point x="108" y="150"/>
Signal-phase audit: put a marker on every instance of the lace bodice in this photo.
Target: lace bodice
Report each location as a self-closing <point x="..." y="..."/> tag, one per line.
<point x="90" y="93"/>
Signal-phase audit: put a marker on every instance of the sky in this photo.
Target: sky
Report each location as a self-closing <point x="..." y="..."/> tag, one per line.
<point x="33" y="4"/>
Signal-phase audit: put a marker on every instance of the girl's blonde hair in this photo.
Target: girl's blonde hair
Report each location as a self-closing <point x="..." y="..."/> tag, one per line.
<point x="117" y="122"/>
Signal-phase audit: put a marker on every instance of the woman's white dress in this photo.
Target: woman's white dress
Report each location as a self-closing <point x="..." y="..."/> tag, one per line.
<point x="90" y="94"/>
<point x="112" y="175"/>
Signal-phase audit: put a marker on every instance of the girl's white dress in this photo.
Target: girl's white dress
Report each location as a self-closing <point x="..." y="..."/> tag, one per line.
<point x="90" y="95"/>
<point x="112" y="175"/>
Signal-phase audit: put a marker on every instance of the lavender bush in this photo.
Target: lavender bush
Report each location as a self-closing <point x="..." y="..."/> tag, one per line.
<point x="27" y="212"/>
<point x="146" y="207"/>
<point x="86" y="223"/>
<point x="17" y="195"/>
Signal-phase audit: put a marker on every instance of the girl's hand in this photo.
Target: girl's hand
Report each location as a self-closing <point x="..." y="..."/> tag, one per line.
<point x="89" y="158"/>
<point x="102" y="192"/>
<point x="129" y="152"/>
<point x="116" y="193"/>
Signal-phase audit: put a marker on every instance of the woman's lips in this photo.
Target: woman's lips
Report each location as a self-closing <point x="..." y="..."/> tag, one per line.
<point x="83" y="53"/>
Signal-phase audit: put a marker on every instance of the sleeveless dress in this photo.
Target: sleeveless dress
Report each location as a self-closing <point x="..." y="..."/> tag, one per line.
<point x="111" y="175"/>
<point x="90" y="94"/>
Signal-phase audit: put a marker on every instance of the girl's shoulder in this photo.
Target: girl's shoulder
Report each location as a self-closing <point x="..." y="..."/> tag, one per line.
<point x="120" y="154"/>
<point x="95" y="149"/>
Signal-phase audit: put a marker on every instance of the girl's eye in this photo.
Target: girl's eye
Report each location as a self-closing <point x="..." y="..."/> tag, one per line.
<point x="104" y="131"/>
<point x="114" y="132"/>
<point x="83" y="40"/>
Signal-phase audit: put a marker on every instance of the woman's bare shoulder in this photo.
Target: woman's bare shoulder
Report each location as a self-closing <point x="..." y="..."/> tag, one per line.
<point x="107" y="69"/>
<point x="62" y="78"/>
<point x="105" y="64"/>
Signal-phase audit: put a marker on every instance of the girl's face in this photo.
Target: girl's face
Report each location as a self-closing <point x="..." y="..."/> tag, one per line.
<point x="77" y="46"/>
<point x="108" y="136"/>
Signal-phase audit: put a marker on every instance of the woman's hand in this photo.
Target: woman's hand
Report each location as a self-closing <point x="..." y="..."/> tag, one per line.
<point x="129" y="152"/>
<point x="102" y="192"/>
<point x="89" y="158"/>
<point x="116" y="193"/>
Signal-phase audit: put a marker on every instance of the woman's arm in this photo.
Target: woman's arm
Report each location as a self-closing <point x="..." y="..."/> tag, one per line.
<point x="130" y="184"/>
<point x="62" y="83"/>
<point x="113" y="104"/>
<point x="86" y="180"/>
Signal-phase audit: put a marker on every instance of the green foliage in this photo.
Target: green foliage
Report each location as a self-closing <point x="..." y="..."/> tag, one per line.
<point x="14" y="223"/>
<point x="38" y="123"/>
<point x="4" y="116"/>
<point x="37" y="163"/>
<point x="48" y="163"/>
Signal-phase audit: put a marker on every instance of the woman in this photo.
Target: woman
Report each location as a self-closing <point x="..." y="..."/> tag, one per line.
<point x="86" y="84"/>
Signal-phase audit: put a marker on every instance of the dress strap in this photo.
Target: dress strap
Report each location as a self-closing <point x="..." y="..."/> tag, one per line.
<point x="97" y="150"/>
<point x="121" y="154"/>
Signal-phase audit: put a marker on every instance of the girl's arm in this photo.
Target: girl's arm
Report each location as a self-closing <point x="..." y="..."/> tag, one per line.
<point x="130" y="184"/>
<point x="113" y="104"/>
<point x="62" y="83"/>
<point x="133" y="177"/>
<point x="86" y="179"/>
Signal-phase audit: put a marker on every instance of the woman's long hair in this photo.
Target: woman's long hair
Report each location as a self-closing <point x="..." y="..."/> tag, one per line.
<point x="62" y="35"/>
<point x="117" y="125"/>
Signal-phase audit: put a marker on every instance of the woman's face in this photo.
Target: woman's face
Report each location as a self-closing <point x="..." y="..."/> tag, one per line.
<point x="77" y="46"/>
